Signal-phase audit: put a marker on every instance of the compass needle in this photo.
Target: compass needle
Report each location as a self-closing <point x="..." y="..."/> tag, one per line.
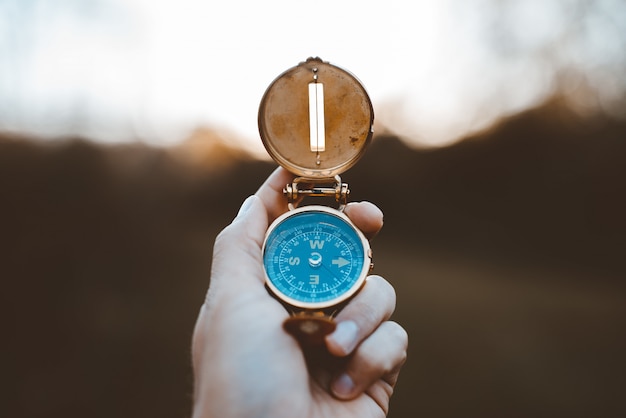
<point x="340" y="262"/>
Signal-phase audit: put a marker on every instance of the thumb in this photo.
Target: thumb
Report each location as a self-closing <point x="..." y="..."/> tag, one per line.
<point x="237" y="258"/>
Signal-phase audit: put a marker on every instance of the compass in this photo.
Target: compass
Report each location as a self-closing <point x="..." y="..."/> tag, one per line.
<point x="313" y="257"/>
<point x="315" y="120"/>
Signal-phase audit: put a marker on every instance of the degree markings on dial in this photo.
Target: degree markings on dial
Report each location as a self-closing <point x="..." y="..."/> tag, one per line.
<point x="315" y="240"/>
<point x="293" y="259"/>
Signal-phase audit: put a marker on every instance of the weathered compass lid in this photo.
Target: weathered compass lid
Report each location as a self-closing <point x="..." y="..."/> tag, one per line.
<point x="316" y="119"/>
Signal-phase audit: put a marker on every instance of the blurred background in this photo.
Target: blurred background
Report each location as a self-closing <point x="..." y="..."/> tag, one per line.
<point x="128" y="140"/>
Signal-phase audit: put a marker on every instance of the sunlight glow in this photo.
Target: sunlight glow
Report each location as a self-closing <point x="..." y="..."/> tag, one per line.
<point x="120" y="70"/>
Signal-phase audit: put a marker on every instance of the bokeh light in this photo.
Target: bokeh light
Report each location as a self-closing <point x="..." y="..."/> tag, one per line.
<point x="118" y="70"/>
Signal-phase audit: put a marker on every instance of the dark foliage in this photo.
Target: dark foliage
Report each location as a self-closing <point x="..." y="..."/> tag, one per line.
<point x="506" y="250"/>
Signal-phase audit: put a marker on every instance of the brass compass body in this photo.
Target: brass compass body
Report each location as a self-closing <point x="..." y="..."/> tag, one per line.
<point x="315" y="120"/>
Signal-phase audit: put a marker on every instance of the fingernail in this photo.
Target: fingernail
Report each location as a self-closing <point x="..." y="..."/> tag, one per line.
<point x="245" y="206"/>
<point x="345" y="336"/>
<point x="343" y="386"/>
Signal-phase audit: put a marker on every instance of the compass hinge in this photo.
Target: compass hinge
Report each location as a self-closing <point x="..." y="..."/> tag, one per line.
<point x="304" y="186"/>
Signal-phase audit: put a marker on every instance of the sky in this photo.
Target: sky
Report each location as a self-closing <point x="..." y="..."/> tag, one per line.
<point x="153" y="70"/>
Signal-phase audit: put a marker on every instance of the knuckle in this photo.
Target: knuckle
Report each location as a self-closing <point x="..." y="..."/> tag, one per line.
<point x="226" y="234"/>
<point x="383" y="288"/>
<point x="372" y="362"/>
<point x="399" y="334"/>
<point x="373" y="305"/>
<point x="232" y="236"/>
<point x="223" y="237"/>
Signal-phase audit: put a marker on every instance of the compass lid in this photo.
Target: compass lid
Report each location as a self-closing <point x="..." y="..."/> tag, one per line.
<point x="316" y="119"/>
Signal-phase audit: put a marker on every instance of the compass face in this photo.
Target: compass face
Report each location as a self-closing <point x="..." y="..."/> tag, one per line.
<point x="314" y="257"/>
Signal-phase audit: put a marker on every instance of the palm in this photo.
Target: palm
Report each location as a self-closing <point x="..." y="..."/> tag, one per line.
<point x="246" y="365"/>
<point x="274" y="371"/>
<point x="291" y="385"/>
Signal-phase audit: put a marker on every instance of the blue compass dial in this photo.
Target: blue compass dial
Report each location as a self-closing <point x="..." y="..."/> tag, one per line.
<point x="315" y="258"/>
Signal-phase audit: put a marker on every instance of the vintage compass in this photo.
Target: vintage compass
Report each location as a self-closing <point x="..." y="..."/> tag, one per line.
<point x="315" y="120"/>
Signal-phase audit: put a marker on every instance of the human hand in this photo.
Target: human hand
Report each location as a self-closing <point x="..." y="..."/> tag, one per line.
<point x="246" y="365"/>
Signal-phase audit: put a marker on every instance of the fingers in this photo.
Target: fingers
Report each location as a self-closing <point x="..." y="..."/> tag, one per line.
<point x="376" y="347"/>
<point x="271" y="192"/>
<point x="373" y="305"/>
<point x="366" y="216"/>
<point x="237" y="249"/>
<point x="375" y="365"/>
